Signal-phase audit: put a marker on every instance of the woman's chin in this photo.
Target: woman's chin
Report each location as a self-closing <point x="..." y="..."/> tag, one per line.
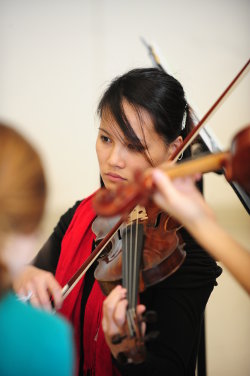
<point x="113" y="185"/>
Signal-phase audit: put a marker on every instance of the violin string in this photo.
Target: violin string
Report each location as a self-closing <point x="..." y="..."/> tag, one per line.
<point x="127" y="274"/>
<point x="135" y="263"/>
<point x="131" y="257"/>
<point x="127" y="266"/>
<point x="130" y="269"/>
<point x="134" y="269"/>
<point x="130" y="322"/>
<point x="124" y="261"/>
<point x="131" y="262"/>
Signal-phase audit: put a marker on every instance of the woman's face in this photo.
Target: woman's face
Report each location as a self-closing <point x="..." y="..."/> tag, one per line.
<point x="118" y="159"/>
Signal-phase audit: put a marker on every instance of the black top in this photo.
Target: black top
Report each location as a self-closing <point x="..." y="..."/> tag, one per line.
<point x="179" y="302"/>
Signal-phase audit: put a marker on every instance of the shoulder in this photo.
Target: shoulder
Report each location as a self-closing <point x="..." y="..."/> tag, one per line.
<point x="34" y="335"/>
<point x="66" y="218"/>
<point x="84" y="205"/>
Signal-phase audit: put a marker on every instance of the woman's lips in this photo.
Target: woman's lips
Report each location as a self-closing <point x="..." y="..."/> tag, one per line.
<point x="115" y="177"/>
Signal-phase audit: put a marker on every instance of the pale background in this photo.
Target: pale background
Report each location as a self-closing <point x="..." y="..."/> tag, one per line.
<point x="57" y="57"/>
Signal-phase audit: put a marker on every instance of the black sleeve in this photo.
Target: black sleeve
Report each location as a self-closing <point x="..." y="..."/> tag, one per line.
<point x="48" y="256"/>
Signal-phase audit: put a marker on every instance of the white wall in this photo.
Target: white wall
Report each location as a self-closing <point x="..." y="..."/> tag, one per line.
<point x="56" y="58"/>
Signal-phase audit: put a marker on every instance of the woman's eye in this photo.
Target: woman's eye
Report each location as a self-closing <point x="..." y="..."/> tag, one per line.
<point x="105" y="139"/>
<point x="135" y="148"/>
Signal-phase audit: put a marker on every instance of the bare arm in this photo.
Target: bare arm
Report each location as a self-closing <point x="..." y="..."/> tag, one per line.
<point x="182" y="200"/>
<point x="224" y="248"/>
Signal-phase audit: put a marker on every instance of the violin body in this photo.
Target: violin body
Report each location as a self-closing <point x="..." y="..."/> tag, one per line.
<point x="163" y="253"/>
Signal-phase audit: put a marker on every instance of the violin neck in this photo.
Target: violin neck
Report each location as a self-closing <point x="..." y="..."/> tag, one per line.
<point x="132" y="245"/>
<point x="212" y="162"/>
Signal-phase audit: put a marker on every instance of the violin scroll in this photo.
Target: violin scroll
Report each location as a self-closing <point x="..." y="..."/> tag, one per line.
<point x="237" y="167"/>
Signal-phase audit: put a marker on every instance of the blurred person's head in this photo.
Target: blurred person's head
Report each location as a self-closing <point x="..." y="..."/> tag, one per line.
<point x="22" y="200"/>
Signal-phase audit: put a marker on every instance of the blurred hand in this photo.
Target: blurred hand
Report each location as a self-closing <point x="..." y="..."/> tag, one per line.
<point x="40" y="285"/>
<point x="180" y="198"/>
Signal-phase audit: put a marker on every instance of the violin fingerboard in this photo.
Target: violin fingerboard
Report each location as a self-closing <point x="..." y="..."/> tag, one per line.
<point x="132" y="246"/>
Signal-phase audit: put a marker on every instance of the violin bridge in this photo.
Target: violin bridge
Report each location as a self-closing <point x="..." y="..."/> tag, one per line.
<point x="138" y="213"/>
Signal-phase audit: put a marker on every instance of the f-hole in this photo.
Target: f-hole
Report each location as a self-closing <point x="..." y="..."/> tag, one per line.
<point x="157" y="220"/>
<point x="119" y="234"/>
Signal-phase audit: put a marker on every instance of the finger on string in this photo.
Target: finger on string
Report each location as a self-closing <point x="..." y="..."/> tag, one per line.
<point x="117" y="294"/>
<point x="140" y="309"/>
<point x="119" y="315"/>
<point x="109" y="306"/>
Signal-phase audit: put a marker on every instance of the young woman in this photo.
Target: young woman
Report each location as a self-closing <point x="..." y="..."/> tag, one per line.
<point x="143" y="119"/>
<point x="32" y="342"/>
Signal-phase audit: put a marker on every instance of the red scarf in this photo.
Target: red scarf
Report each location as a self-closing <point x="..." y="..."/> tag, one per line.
<point x="75" y="248"/>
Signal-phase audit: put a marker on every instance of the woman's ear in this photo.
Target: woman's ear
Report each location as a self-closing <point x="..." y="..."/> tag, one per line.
<point x="175" y="145"/>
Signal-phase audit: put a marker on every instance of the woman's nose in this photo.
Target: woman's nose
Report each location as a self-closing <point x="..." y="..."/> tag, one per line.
<point x="117" y="156"/>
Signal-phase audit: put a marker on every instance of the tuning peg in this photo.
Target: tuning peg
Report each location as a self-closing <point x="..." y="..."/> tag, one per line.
<point x="117" y="338"/>
<point x="151" y="336"/>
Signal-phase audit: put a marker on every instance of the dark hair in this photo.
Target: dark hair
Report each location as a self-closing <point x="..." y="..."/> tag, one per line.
<point x="160" y="94"/>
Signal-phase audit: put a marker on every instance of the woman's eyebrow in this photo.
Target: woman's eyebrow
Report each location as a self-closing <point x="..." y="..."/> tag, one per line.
<point x="104" y="130"/>
<point x="110" y="134"/>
